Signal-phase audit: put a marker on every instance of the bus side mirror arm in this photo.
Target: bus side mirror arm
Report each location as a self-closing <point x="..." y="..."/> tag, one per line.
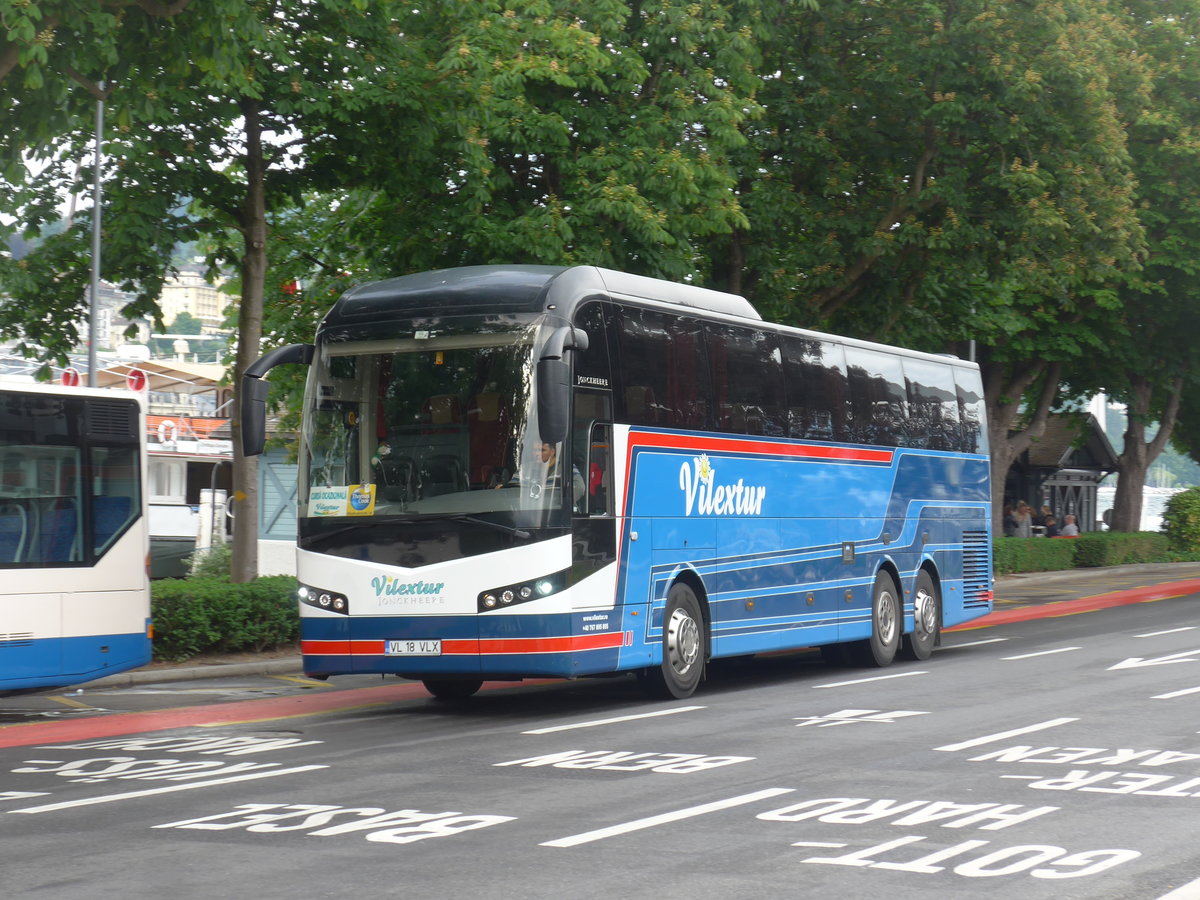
<point x="252" y="400"/>
<point x="553" y="382"/>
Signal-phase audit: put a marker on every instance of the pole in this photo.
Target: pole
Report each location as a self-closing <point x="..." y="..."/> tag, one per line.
<point x="94" y="301"/>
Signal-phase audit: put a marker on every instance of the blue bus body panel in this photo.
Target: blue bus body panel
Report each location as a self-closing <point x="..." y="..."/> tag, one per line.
<point x="57" y="662"/>
<point x="784" y="538"/>
<point x="803" y="529"/>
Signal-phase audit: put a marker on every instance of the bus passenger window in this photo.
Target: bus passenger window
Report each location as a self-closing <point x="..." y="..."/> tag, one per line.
<point x="932" y="405"/>
<point x="747" y="377"/>
<point x="878" y="407"/>
<point x="816" y="389"/>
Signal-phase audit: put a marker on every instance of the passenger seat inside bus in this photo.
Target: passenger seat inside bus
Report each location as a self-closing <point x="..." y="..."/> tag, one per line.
<point x="14" y="532"/>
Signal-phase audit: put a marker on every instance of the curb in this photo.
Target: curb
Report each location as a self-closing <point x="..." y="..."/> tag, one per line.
<point x="290" y="665"/>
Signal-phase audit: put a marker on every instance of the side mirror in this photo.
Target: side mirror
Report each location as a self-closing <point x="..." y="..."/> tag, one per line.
<point x="554" y="382"/>
<point x="252" y="396"/>
<point x="553" y="399"/>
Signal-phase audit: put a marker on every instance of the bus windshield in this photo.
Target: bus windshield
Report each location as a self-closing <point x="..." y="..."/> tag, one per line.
<point x="435" y="423"/>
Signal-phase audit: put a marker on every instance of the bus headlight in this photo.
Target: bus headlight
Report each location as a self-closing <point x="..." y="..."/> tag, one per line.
<point x="513" y="594"/>
<point x="330" y="601"/>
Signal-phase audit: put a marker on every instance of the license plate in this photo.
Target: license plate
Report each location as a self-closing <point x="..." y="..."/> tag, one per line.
<point x="412" y="648"/>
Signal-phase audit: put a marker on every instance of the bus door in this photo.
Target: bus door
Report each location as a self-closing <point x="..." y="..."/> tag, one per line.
<point x="593" y="524"/>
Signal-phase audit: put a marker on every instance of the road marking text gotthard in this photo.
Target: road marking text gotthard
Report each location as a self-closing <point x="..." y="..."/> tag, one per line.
<point x="703" y="494"/>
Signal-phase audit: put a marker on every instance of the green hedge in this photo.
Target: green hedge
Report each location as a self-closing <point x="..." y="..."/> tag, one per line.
<point x="1013" y="555"/>
<point x="208" y="614"/>
<point x="1181" y="521"/>
<point x="1099" y="548"/>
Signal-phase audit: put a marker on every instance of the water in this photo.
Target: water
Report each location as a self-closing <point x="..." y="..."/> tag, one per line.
<point x="1154" y="503"/>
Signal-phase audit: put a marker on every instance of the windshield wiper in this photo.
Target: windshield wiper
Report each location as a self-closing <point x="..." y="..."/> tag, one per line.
<point x="507" y="529"/>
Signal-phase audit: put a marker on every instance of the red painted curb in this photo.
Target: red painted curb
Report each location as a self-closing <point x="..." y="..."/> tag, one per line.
<point x="1083" y="604"/>
<point x="215" y="714"/>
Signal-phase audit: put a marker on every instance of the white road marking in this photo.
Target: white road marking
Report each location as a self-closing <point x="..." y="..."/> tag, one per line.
<point x="1168" y="631"/>
<point x="980" y="643"/>
<point x="821" y="844"/>
<point x="1189" y="891"/>
<point x="1042" y="653"/>
<point x="834" y="684"/>
<point x="665" y="818"/>
<point x="1138" y="662"/>
<point x="150" y="792"/>
<point x="592" y="724"/>
<point x="1002" y="735"/>
<point x="1174" y="694"/>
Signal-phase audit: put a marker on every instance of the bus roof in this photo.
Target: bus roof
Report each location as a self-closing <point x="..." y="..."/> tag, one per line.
<point x="481" y="290"/>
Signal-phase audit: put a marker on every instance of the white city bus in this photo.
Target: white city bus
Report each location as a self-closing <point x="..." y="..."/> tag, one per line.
<point x="74" y="585"/>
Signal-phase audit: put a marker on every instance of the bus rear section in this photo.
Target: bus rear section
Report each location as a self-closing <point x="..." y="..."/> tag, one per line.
<point x="75" y="593"/>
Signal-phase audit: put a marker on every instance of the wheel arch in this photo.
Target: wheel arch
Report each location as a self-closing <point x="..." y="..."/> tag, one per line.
<point x="692" y="579"/>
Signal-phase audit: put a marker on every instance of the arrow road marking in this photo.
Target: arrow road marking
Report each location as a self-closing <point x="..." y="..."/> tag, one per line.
<point x="1137" y="662"/>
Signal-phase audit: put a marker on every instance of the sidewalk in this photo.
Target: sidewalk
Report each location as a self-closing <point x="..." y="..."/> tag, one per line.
<point x="1017" y="598"/>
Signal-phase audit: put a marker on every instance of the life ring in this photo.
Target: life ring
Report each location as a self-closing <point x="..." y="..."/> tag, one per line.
<point x="168" y="432"/>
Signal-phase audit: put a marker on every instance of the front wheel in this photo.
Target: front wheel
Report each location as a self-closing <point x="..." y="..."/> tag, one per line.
<point x="927" y="611"/>
<point x="452" y="688"/>
<point x="683" y="647"/>
<point x="887" y="621"/>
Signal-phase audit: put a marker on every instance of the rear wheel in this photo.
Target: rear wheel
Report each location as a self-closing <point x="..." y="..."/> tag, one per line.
<point x="887" y="621"/>
<point x="927" y="612"/>
<point x="452" y="688"/>
<point x="683" y="647"/>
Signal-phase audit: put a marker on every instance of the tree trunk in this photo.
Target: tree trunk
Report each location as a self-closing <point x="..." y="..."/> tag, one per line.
<point x="1139" y="455"/>
<point x="253" y="225"/>
<point x="1004" y="387"/>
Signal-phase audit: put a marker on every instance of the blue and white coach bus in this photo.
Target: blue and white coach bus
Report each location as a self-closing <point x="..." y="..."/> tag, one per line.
<point x="74" y="546"/>
<point x="516" y="471"/>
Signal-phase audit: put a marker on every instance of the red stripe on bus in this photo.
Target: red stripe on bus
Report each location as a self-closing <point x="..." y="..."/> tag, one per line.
<point x="771" y="448"/>
<point x="471" y="647"/>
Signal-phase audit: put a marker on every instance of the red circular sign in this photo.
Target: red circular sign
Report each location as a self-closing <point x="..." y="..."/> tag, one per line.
<point x="136" y="380"/>
<point x="70" y="377"/>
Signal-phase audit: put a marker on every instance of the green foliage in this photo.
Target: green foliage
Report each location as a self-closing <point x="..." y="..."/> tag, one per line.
<point x="1114" y="548"/>
<point x="1098" y="548"/>
<point x="1181" y="521"/>
<point x="1014" y="555"/>
<point x="208" y="614"/>
<point x="213" y="562"/>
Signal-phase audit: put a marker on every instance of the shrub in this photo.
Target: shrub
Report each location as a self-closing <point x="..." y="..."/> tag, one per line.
<point x="1181" y="521"/>
<point x="208" y="614"/>
<point x="1115" y="548"/>
<point x="214" y="561"/>
<point x="1013" y="555"/>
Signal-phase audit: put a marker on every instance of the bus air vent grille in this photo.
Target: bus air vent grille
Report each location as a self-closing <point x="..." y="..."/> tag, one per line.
<point x="112" y="419"/>
<point x="18" y="639"/>
<point x="977" y="570"/>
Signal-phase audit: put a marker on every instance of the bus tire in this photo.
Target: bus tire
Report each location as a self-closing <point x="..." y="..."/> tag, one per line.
<point x="887" y="621"/>
<point x="927" y="615"/>
<point x="452" y="688"/>
<point x="683" y="647"/>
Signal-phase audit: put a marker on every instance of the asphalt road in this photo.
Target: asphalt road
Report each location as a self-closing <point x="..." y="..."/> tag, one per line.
<point x="1053" y="758"/>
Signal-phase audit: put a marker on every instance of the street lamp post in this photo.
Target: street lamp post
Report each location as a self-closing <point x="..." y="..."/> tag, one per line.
<point x="94" y="300"/>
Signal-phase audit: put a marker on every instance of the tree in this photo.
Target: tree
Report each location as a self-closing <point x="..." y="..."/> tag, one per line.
<point x="186" y="323"/>
<point x="1157" y="358"/>
<point x="941" y="172"/>
<point x="240" y="126"/>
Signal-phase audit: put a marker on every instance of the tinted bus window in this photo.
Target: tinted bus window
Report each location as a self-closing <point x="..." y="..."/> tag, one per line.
<point x="971" y="411"/>
<point x="816" y="389"/>
<point x="591" y="365"/>
<point x="877" y="398"/>
<point x="932" y="405"/>
<point x="747" y="377"/>
<point x="664" y="372"/>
